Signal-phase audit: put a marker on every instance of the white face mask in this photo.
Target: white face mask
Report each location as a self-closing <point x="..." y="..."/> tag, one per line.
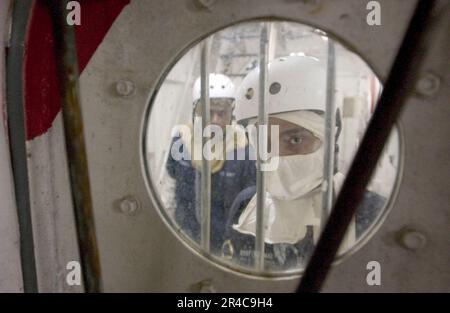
<point x="292" y="200"/>
<point x="290" y="203"/>
<point x="286" y="221"/>
<point x="296" y="175"/>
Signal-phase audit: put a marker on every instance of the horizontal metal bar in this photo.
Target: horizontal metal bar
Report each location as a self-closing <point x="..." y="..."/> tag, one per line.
<point x="238" y="55"/>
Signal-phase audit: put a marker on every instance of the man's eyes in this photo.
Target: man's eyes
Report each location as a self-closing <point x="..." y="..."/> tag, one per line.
<point x="293" y="139"/>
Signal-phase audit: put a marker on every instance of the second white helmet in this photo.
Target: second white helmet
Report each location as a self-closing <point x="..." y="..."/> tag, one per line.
<point x="220" y="86"/>
<point x="294" y="83"/>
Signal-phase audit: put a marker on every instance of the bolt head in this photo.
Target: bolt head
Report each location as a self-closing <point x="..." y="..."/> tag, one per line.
<point x="206" y="3"/>
<point x="207" y="287"/>
<point x="129" y="206"/>
<point x="125" y="88"/>
<point x="413" y="239"/>
<point x="428" y="85"/>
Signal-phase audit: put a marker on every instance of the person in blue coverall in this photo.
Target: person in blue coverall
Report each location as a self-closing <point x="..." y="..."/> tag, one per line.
<point x="229" y="175"/>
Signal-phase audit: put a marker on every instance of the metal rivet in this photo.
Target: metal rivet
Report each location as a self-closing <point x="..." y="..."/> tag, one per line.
<point x="412" y="239"/>
<point x="125" y="88"/>
<point x="428" y="84"/>
<point x="129" y="206"/>
<point x="206" y="287"/>
<point x="206" y="3"/>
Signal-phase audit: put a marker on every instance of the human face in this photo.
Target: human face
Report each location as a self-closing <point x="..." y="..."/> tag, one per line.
<point x="221" y="111"/>
<point x="293" y="139"/>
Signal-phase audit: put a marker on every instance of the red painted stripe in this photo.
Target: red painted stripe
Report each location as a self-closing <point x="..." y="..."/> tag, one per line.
<point x="41" y="96"/>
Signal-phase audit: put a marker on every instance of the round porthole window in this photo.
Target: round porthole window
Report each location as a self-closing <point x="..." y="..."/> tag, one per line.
<point x="252" y="193"/>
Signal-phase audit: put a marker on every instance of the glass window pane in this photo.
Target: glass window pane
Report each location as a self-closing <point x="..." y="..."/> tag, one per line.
<point x="299" y="77"/>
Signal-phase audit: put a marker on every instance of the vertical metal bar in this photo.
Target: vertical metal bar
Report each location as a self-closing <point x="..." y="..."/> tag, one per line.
<point x="17" y="139"/>
<point x="400" y="82"/>
<point x="198" y="198"/>
<point x="66" y="57"/>
<point x="328" y="171"/>
<point x="206" y="165"/>
<point x="261" y="146"/>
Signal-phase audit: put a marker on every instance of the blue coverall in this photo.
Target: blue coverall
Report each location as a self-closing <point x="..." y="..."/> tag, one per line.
<point x="226" y="184"/>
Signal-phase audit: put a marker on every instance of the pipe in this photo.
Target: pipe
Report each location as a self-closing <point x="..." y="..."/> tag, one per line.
<point x="65" y="50"/>
<point x="17" y="140"/>
<point x="400" y="82"/>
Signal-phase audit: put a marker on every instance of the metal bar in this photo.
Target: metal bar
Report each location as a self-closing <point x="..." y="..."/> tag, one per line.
<point x="261" y="146"/>
<point x="239" y="36"/>
<point x="399" y="85"/>
<point x="328" y="171"/>
<point x="66" y="57"/>
<point x="206" y="165"/>
<point x="236" y="75"/>
<point x="238" y="55"/>
<point x="17" y="140"/>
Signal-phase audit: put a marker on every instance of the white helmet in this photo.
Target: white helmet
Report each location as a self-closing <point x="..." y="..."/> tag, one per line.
<point x="220" y="86"/>
<point x="294" y="83"/>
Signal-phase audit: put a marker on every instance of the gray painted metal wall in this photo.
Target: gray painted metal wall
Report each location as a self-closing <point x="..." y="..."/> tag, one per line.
<point x="138" y="252"/>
